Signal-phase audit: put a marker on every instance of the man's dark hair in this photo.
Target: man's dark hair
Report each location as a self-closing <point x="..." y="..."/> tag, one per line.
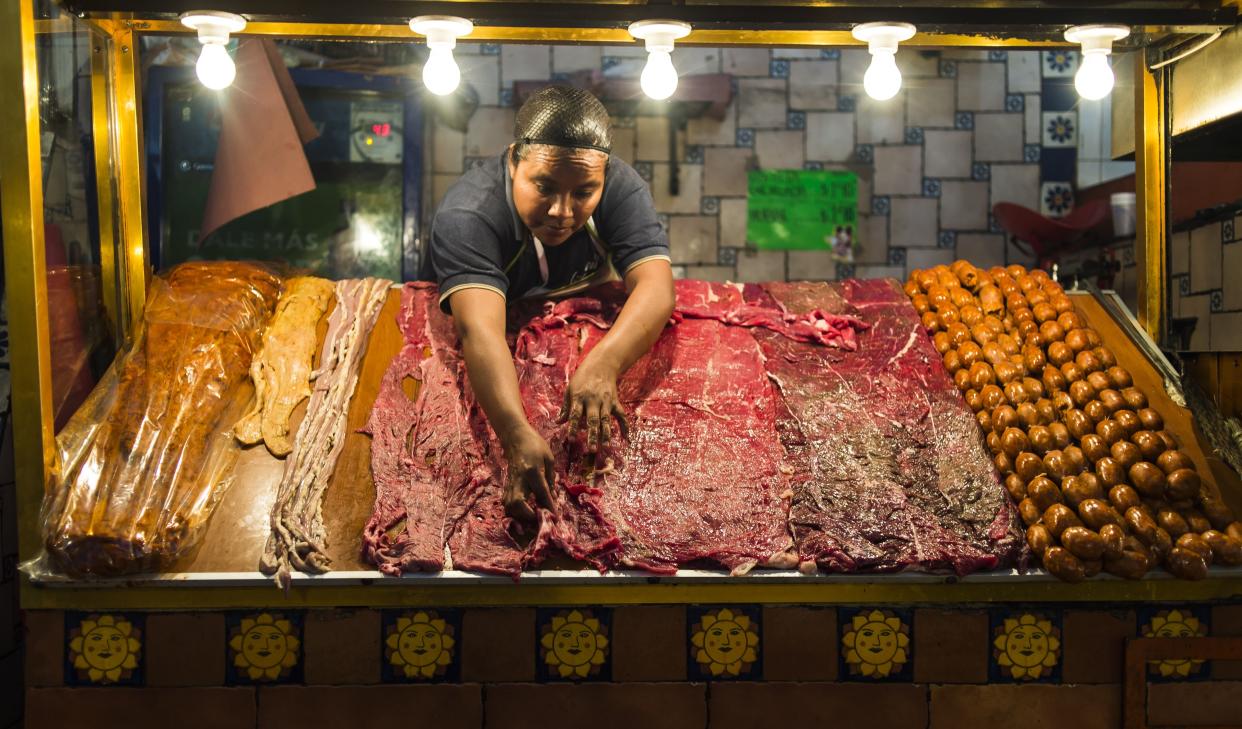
<point x="562" y="116"/>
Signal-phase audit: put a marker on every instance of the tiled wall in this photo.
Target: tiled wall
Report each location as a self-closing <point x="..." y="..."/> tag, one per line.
<point x="1205" y="262"/>
<point x="965" y="132"/>
<point x="733" y="665"/>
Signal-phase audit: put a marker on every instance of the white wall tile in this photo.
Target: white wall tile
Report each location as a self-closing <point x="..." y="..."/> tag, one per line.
<point x="918" y="63"/>
<point x="1205" y="258"/>
<point x="1018" y="184"/>
<point x="779" y="150"/>
<point x="813" y="85"/>
<point x="1031" y="119"/>
<point x="761" y="103"/>
<point x="930" y="102"/>
<point x="1199" y="307"/>
<point x="795" y="53"/>
<point x="963" y="205"/>
<point x="635" y="50"/>
<point x="982" y="249"/>
<point x="524" y="63"/>
<point x="998" y="137"/>
<point x="706" y="130"/>
<point x="928" y="257"/>
<point x="483" y="74"/>
<point x="746" y="61"/>
<point x="913" y="222"/>
<point x="812" y="265"/>
<point x="1023" y="68"/>
<point x="881" y="122"/>
<point x="898" y="170"/>
<point x="447" y="147"/>
<point x="725" y="168"/>
<point x="872" y="239"/>
<point x="717" y="274"/>
<point x="897" y="272"/>
<point x="623" y="142"/>
<point x="1232" y="262"/>
<point x="690" y="193"/>
<point x="756" y="266"/>
<point x="695" y="60"/>
<point x="692" y="238"/>
<point x="1179" y="253"/>
<point x="1091" y="130"/>
<point x="948" y="153"/>
<point x="567" y="59"/>
<point x="733" y="222"/>
<point x="652" y="138"/>
<point x="1226" y="334"/>
<point x="829" y="136"/>
<point x="1090" y="172"/>
<point x="490" y="130"/>
<point x="854" y="63"/>
<point x="980" y="86"/>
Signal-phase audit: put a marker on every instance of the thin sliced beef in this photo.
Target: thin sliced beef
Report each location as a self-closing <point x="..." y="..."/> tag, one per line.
<point x="889" y="469"/>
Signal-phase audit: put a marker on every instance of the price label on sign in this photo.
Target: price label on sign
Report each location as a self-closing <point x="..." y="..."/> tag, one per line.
<point x="803" y="210"/>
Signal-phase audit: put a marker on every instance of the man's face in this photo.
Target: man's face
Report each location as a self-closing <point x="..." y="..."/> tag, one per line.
<point x="555" y="190"/>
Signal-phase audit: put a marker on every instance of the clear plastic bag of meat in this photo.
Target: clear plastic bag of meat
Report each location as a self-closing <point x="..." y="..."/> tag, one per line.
<point x="142" y="464"/>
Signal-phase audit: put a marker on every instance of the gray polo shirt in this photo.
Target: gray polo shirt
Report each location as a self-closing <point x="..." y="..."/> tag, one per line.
<point x="478" y="240"/>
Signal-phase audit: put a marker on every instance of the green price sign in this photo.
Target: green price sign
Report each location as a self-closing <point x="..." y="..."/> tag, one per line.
<point x="803" y="210"/>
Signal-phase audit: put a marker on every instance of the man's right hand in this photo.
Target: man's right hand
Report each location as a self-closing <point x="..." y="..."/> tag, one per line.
<point x="531" y="470"/>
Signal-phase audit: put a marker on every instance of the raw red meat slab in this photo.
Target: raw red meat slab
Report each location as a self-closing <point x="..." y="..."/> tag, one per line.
<point x="889" y="469"/>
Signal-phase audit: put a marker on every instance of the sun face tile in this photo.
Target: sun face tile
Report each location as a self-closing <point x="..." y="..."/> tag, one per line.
<point x="264" y="647"/>
<point x="1176" y="622"/>
<point x="876" y="644"/>
<point x="104" y="649"/>
<point x="421" y="645"/>
<point x="574" y="644"/>
<point x="725" y="643"/>
<point x="1025" y="646"/>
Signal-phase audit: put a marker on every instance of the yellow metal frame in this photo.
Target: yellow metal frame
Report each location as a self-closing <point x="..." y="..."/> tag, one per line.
<point x="119" y="166"/>
<point x="1150" y="175"/>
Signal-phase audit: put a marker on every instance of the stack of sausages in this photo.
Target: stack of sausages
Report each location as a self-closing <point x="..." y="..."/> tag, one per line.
<point x="1099" y="482"/>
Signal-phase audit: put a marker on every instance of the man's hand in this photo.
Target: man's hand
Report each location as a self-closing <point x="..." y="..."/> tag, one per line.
<point x="531" y="470"/>
<point x="591" y="401"/>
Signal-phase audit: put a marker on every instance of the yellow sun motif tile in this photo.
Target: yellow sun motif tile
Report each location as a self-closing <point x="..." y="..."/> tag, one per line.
<point x="875" y="644"/>
<point x="724" y="643"/>
<point x="420" y="645"/>
<point x="103" y="649"/>
<point x="574" y="644"/>
<point x="1176" y="623"/>
<point x="1026" y="646"/>
<point x="265" y="647"/>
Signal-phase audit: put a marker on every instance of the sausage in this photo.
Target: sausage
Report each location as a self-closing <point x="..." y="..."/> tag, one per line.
<point x="1183" y="484"/>
<point x="1092" y="567"/>
<point x="1197" y="521"/>
<point x="1096" y="513"/>
<point x="1094" y="447"/>
<point x="1186" y="564"/>
<point x="1225" y="549"/>
<point x="1120" y="377"/>
<point x="1219" y="513"/>
<point x="1060" y="517"/>
<point x="1061" y="439"/>
<point x="1122" y="497"/>
<point x="1039" y="538"/>
<point x="1196" y="544"/>
<point x="1234" y="530"/>
<point x="1110" y="472"/>
<point x="1162" y="544"/>
<point x="1172" y="522"/>
<point x="1149" y="444"/>
<point x="1014" y="441"/>
<point x="1109" y="430"/>
<point x="1003" y="418"/>
<point x="1150" y="419"/>
<point x="1054" y="464"/>
<point x="1028" y="416"/>
<point x="1114" y="537"/>
<point x="1134" y="562"/>
<point x="990" y="299"/>
<point x="1110" y="397"/>
<point x="1148" y="480"/>
<point x="1044" y="492"/>
<point x="1028" y="465"/>
<point x="1135" y="398"/>
<point x="1129" y="422"/>
<point x="1083" y="543"/>
<point x="1016" y="487"/>
<point x="1076" y="339"/>
<point x="1064" y="565"/>
<point x="1141" y="525"/>
<point x="1126" y="453"/>
<point x="1096" y="411"/>
<point x="1029" y="512"/>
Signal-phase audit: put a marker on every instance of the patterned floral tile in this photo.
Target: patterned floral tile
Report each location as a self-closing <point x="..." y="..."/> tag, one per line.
<point x="1056" y="199"/>
<point x="1030" y="152"/>
<point x="896" y="256"/>
<point x="1015" y="103"/>
<point x="964" y="120"/>
<point x="104" y="649"/>
<point x="876" y="644"/>
<point x="778" y="68"/>
<point x="1059" y="63"/>
<point x="745" y="138"/>
<point x="981" y="171"/>
<point x="947" y="239"/>
<point x="1025" y="646"/>
<point x="931" y="187"/>
<point x="1060" y="128"/>
<point x="421" y="645"/>
<point x="725" y="643"/>
<point x="573" y="644"/>
<point x="796" y="120"/>
<point x="1175" y="622"/>
<point x="263" y="647"/>
<point x="846" y="103"/>
<point x="948" y="69"/>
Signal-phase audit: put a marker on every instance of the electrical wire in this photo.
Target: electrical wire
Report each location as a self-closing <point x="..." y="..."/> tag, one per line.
<point x="1206" y="42"/>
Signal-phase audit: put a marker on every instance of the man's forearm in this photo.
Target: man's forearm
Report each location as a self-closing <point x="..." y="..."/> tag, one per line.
<point x="494" y="380"/>
<point x="639" y="324"/>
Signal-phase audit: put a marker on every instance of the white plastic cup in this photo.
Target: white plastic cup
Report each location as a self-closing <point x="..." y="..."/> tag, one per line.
<point x="1124" y="206"/>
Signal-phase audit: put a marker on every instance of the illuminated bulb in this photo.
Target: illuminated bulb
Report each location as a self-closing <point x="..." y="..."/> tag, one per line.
<point x="882" y="79"/>
<point x="215" y="68"/>
<point x="1094" y="79"/>
<point x="659" y="79"/>
<point x="440" y="72"/>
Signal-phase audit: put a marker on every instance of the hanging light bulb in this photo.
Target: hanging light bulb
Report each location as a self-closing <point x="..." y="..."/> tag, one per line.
<point x="1094" y="79"/>
<point x="659" y="79"/>
<point x="440" y="73"/>
<point x="215" y="68"/>
<point x="882" y="79"/>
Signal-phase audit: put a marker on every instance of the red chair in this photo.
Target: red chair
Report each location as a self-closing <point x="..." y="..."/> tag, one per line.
<point x="1047" y="239"/>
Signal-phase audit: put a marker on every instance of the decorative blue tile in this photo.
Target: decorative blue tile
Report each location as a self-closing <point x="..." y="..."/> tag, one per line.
<point x="726" y="256"/>
<point x="1025" y="646"/>
<point x="573" y="644"/>
<point x="896" y="256"/>
<point x="421" y="645"/>
<point x="694" y="153"/>
<point x="745" y="137"/>
<point x="1183" y="285"/>
<point x="644" y="170"/>
<point x="1060" y="129"/>
<point x="964" y="120"/>
<point x="490" y="49"/>
<point x="1015" y="102"/>
<point x="263" y="647"/>
<point x="877" y="644"/>
<point x="778" y="68"/>
<point x="709" y="205"/>
<point x="1030" y="152"/>
<point x="104" y="648"/>
<point x="981" y="171"/>
<point x="607" y="62"/>
<point x="995" y="55"/>
<point x="813" y="166"/>
<point x="506" y="97"/>
<point x="947" y="239"/>
<point x="1226" y="231"/>
<point x="948" y="69"/>
<point x="994" y="224"/>
<point x="725" y="643"/>
<point x="830" y="54"/>
<point x="864" y="153"/>
<point x="1218" y="300"/>
<point x="1172" y="621"/>
<point x="931" y="187"/>
<point x="844" y="271"/>
<point x="795" y="120"/>
<point x="1056" y="199"/>
<point x="1060" y="63"/>
<point x="1058" y="163"/>
<point x="846" y="103"/>
<point x="879" y="205"/>
<point x="914" y="135"/>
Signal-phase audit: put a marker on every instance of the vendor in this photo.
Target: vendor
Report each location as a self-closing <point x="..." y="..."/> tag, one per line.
<point x="551" y="216"/>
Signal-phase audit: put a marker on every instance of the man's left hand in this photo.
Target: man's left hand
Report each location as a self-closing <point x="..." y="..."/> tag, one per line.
<point x="591" y="402"/>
